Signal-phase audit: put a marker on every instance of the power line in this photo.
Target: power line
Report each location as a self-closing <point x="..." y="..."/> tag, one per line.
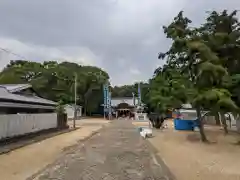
<point x="10" y="52"/>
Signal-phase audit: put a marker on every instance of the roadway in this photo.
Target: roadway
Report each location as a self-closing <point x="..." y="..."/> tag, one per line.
<point x="116" y="152"/>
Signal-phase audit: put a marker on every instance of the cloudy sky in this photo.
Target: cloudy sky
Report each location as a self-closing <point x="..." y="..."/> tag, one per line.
<point x="121" y="36"/>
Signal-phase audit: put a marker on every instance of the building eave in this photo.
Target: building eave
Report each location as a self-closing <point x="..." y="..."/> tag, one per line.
<point x="23" y="105"/>
<point x="6" y="96"/>
<point x="18" y="87"/>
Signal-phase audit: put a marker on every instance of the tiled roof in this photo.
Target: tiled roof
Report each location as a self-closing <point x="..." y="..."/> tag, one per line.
<point x="116" y="101"/>
<point x="5" y="94"/>
<point x="15" y="87"/>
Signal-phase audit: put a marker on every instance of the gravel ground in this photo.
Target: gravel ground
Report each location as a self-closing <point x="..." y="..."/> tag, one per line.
<point x="116" y="152"/>
<point x="189" y="159"/>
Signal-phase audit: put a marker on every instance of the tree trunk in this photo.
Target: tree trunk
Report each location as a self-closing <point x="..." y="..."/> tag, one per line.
<point x="85" y="108"/>
<point x="201" y="126"/>
<point x="224" y="123"/>
<point x="218" y="122"/>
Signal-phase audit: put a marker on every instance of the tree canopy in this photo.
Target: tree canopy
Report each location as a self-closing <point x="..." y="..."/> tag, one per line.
<point x="129" y="90"/>
<point x="55" y="81"/>
<point x="202" y="65"/>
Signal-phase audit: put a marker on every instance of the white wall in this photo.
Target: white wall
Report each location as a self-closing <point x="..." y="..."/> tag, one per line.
<point x="79" y="112"/>
<point x="19" y="124"/>
<point x="141" y="116"/>
<point x="70" y="112"/>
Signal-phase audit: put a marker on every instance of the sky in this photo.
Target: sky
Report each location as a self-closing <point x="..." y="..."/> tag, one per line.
<point x="123" y="37"/>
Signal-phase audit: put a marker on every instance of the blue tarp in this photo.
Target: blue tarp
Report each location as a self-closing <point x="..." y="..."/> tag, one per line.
<point x="187" y="125"/>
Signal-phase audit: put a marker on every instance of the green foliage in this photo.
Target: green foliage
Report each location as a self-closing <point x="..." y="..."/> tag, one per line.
<point x="60" y="108"/>
<point x="201" y="54"/>
<point x="208" y="58"/>
<point x="128" y="90"/>
<point x="234" y="87"/>
<point x="168" y="89"/>
<point x="55" y="81"/>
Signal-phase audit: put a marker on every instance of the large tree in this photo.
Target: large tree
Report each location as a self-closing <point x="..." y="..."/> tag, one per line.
<point x="202" y="53"/>
<point x="55" y="81"/>
<point x="168" y="89"/>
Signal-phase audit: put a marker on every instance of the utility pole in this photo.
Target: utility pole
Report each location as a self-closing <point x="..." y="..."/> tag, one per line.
<point x="75" y="99"/>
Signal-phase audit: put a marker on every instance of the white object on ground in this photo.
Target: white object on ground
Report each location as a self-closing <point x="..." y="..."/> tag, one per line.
<point x="146" y="132"/>
<point x="165" y="126"/>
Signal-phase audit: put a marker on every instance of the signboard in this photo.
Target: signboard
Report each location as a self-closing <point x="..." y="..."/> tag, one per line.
<point x="107" y="98"/>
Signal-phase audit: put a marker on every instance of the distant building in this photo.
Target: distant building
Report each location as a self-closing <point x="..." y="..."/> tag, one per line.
<point x="21" y="98"/>
<point x="123" y="105"/>
<point x="186" y="106"/>
<point x="23" y="111"/>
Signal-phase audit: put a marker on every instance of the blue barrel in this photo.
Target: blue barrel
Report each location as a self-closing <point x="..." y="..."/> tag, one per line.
<point x="182" y="124"/>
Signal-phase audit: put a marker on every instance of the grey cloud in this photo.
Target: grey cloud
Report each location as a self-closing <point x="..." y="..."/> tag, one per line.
<point x="100" y="32"/>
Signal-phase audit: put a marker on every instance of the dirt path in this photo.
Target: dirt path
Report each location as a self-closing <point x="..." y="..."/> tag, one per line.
<point x="189" y="159"/>
<point x="117" y="152"/>
<point x="26" y="161"/>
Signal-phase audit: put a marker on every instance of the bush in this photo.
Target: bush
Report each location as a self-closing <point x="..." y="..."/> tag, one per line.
<point x="60" y="109"/>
